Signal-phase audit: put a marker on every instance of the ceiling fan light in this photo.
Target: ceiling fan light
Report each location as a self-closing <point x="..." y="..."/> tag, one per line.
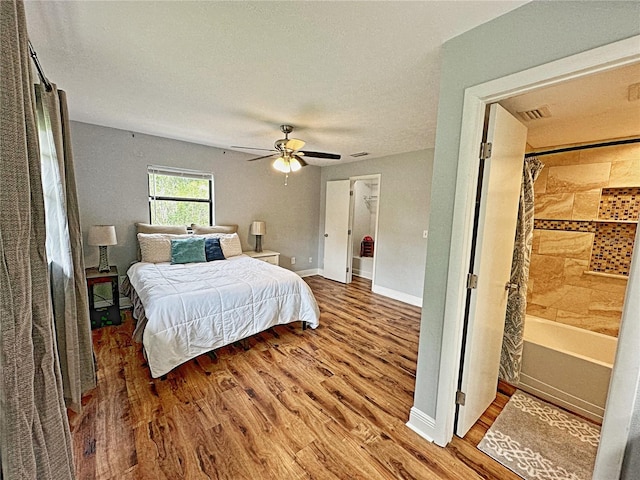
<point x="295" y="164"/>
<point x="282" y="165"/>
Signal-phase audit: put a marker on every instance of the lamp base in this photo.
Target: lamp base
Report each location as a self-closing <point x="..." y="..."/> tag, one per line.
<point x="258" y="243"/>
<point x="103" y="266"/>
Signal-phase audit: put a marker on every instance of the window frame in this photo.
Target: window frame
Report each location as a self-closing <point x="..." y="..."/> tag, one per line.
<point x="184" y="173"/>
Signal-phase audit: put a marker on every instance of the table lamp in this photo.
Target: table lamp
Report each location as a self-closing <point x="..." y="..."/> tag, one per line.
<point x="258" y="229"/>
<point x="102" y="236"/>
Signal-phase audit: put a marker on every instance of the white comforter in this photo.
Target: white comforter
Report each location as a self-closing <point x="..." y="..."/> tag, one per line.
<point x="197" y="307"/>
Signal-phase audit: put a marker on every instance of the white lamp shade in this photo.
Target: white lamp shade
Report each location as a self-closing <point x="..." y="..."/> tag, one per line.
<point x="282" y="165"/>
<point x="295" y="164"/>
<point x="101" y="235"/>
<point x="258" y="228"/>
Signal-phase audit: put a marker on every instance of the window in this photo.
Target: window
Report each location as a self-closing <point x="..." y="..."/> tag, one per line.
<point x="180" y="197"/>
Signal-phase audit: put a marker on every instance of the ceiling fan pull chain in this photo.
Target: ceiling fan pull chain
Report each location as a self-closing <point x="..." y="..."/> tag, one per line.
<point x="286" y="179"/>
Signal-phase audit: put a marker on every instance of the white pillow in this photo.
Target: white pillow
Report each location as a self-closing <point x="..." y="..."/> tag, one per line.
<point x="230" y="243"/>
<point x="156" y="247"/>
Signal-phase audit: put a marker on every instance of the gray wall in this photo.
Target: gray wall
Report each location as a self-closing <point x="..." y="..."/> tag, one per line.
<point x="404" y="213"/>
<point x="534" y="34"/>
<point x="111" y="171"/>
<point x="631" y="463"/>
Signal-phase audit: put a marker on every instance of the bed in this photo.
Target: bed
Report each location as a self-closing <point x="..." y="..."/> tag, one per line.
<point x="187" y="309"/>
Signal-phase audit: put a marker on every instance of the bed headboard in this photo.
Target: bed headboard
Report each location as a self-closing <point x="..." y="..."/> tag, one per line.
<point x="172" y="229"/>
<point x="204" y="229"/>
<point x="180" y="230"/>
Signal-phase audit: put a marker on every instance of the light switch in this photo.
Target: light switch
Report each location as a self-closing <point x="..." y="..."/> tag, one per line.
<point x="425" y="233"/>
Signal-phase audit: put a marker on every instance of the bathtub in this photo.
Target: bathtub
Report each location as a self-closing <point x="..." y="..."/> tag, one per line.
<point x="567" y="366"/>
<point x="362" y="266"/>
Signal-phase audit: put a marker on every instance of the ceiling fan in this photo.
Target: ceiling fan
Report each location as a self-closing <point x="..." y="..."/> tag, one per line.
<point x="289" y="153"/>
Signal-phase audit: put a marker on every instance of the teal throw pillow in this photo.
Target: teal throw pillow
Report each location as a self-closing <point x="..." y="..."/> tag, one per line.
<point x="188" y="250"/>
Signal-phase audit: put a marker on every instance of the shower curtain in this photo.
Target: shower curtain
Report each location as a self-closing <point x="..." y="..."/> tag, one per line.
<point x="511" y="356"/>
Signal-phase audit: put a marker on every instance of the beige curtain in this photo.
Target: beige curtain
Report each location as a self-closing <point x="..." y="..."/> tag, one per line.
<point x="34" y="434"/>
<point x="64" y="247"/>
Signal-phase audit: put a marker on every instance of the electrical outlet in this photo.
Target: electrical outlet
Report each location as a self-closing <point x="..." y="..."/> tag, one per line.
<point x="293" y="260"/>
<point x="310" y="259"/>
<point x="425" y="233"/>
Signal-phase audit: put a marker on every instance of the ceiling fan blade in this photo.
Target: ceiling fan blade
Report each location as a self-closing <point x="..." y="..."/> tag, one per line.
<point x="260" y="158"/>
<point x="294" y="144"/>
<point x="302" y="162"/>
<point x="328" y="156"/>
<point x="253" y="148"/>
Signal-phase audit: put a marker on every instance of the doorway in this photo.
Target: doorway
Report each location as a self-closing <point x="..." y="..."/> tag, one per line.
<point x="351" y="228"/>
<point x="364" y="225"/>
<point x="579" y="244"/>
<point x="622" y="391"/>
<point x="581" y="281"/>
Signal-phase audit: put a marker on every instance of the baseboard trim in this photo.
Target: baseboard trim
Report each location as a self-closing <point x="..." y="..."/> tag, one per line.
<point x="421" y="423"/>
<point x="309" y="272"/>
<point x="396" y="295"/>
<point x="362" y="273"/>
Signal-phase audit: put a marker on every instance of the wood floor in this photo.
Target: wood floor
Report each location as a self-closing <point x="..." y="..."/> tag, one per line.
<point x="329" y="403"/>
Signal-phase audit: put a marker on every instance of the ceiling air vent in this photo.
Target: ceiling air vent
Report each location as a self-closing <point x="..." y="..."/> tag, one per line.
<point x="535" y="113"/>
<point x="359" y="154"/>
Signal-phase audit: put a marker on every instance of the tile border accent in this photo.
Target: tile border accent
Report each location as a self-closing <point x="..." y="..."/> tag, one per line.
<point x="565" y="225"/>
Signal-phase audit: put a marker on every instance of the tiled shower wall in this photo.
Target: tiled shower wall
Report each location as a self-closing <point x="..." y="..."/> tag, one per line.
<point x="569" y="197"/>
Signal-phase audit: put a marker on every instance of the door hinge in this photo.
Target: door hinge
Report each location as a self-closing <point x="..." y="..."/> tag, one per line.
<point x="485" y="150"/>
<point x="349" y="232"/>
<point x="472" y="280"/>
<point x="351" y="193"/>
<point x="347" y="269"/>
<point x="460" y="397"/>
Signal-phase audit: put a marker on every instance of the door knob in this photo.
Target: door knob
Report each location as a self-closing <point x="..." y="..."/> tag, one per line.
<point x="326" y="234"/>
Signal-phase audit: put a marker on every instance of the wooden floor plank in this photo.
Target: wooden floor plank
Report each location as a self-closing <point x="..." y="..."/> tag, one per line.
<point x="329" y="403"/>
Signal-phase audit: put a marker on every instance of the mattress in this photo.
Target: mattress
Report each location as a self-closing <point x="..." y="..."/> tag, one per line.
<point x="193" y="308"/>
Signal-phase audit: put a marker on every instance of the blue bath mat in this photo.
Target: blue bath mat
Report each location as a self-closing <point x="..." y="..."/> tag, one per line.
<point x="539" y="441"/>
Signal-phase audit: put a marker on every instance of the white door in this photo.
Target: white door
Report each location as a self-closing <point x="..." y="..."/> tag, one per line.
<point x="492" y="264"/>
<point x="336" y="231"/>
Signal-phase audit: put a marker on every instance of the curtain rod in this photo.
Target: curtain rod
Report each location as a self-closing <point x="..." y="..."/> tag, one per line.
<point x="583" y="147"/>
<point x="43" y="77"/>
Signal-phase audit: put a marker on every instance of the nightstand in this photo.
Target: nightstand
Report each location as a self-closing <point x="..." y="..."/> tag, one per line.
<point x="265" y="256"/>
<point x="104" y="297"/>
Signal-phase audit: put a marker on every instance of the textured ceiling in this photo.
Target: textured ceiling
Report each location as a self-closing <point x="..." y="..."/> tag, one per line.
<point x="350" y="76"/>
<point x="590" y="109"/>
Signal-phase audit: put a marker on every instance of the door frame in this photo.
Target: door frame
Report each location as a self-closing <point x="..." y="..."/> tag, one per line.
<point x="476" y="98"/>
<point x="373" y="176"/>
